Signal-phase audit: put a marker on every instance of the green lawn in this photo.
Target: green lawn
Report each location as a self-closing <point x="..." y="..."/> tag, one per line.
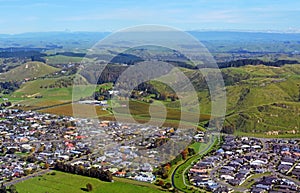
<point x="69" y="183"/>
<point x="197" y="146"/>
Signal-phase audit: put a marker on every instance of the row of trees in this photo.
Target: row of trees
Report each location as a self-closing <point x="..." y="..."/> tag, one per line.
<point x="163" y="171"/>
<point x="244" y="62"/>
<point x="61" y="83"/>
<point x="81" y="170"/>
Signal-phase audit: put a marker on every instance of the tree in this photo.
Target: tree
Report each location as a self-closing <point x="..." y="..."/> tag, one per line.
<point x="164" y="173"/>
<point x="27" y="171"/>
<point x="168" y="167"/>
<point x="106" y="176"/>
<point x="168" y="185"/>
<point x="184" y="153"/>
<point x="47" y="165"/>
<point x="3" y="188"/>
<point x="11" y="151"/>
<point x="163" y="96"/>
<point x="161" y="183"/>
<point x="13" y="189"/>
<point x="191" y="151"/>
<point x="89" y="187"/>
<point x="41" y="149"/>
<point x="31" y="159"/>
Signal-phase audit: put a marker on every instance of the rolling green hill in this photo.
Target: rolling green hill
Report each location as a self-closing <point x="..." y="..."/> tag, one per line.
<point x="47" y="92"/>
<point x="260" y="99"/>
<point x="28" y="70"/>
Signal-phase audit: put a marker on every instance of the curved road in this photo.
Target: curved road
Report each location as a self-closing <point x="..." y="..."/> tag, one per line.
<point x="211" y="143"/>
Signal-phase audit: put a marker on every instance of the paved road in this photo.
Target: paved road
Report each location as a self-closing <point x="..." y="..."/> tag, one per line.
<point x="211" y="143"/>
<point x="213" y="174"/>
<point x="17" y="180"/>
<point x="41" y="172"/>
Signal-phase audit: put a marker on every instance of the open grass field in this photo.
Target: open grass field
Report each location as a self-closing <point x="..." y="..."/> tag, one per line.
<point x="141" y="109"/>
<point x="60" y="59"/>
<point x="26" y="95"/>
<point x="37" y="87"/>
<point x="138" y="110"/>
<point x="70" y="183"/>
<point x="82" y="110"/>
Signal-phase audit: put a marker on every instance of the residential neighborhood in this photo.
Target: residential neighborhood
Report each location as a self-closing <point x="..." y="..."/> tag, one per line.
<point x="249" y="165"/>
<point x="32" y="142"/>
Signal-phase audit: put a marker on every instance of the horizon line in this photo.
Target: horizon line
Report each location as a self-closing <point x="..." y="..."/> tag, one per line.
<point x="192" y="30"/>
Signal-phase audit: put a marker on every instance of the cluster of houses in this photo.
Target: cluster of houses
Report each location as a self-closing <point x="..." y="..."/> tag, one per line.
<point x="32" y="141"/>
<point x="288" y="152"/>
<point x="199" y="174"/>
<point x="241" y="158"/>
<point x="132" y="150"/>
<point x="274" y="184"/>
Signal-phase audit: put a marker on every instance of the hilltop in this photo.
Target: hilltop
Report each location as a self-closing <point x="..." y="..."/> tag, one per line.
<point x="28" y="70"/>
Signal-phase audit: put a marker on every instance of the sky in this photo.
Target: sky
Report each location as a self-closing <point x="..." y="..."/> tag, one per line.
<point x="19" y="16"/>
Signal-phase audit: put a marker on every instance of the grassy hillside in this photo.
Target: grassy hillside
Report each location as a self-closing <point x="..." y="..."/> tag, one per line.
<point x="47" y="92"/>
<point x="59" y="59"/>
<point x="28" y="70"/>
<point x="65" y="183"/>
<point x="260" y="98"/>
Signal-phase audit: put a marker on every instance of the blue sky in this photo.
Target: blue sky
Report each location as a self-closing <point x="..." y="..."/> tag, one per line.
<point x="18" y="16"/>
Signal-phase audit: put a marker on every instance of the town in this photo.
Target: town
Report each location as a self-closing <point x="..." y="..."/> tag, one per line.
<point x="32" y="142"/>
<point x="246" y="164"/>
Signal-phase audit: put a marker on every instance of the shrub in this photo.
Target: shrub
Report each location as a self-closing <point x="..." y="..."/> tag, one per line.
<point x="89" y="187"/>
<point x="168" y="185"/>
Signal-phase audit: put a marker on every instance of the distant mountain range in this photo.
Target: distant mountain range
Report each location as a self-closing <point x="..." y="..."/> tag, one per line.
<point x="201" y="35"/>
